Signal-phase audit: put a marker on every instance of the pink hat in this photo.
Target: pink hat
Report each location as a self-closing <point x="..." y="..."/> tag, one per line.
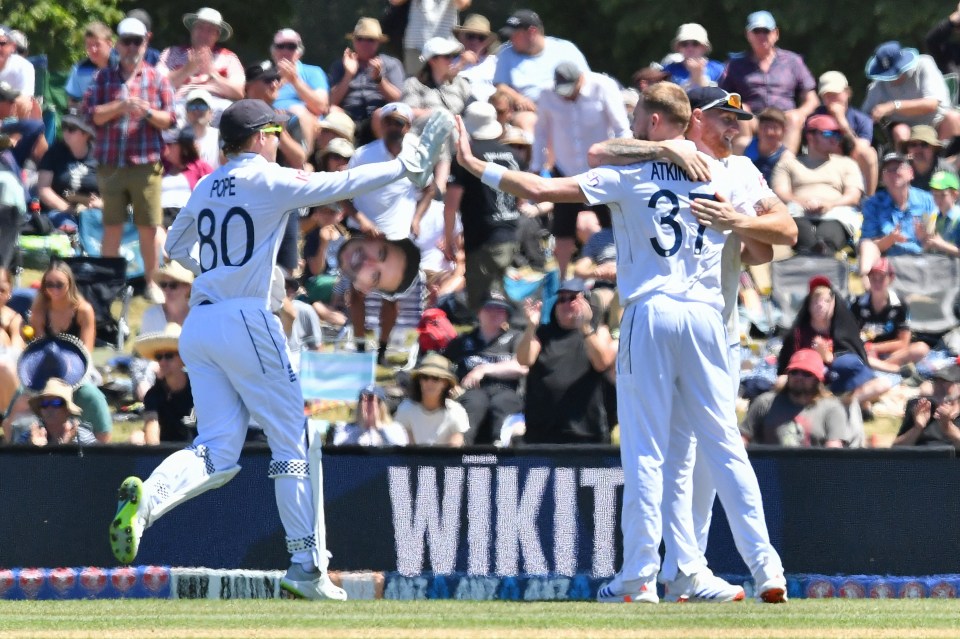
<point x="808" y="361"/>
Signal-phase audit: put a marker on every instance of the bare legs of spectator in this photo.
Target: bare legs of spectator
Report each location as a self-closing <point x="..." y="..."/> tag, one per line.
<point x="356" y="306"/>
<point x="388" y="319"/>
<point x="149" y="251"/>
<point x="793" y="130"/>
<point x="8" y="384"/>
<point x="110" y="244"/>
<point x="869" y="254"/>
<point x="866" y="158"/>
<point x="949" y="126"/>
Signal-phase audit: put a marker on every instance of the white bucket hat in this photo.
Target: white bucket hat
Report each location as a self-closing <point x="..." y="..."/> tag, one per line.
<point x="480" y="120"/>
<point x="439" y="46"/>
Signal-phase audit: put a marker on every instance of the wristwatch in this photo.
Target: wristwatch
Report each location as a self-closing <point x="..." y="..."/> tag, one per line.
<point x="148" y="114"/>
<point x="896" y="105"/>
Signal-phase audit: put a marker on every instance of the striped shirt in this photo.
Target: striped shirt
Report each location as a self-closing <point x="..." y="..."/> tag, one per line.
<point x="429" y="19"/>
<point x="127" y="140"/>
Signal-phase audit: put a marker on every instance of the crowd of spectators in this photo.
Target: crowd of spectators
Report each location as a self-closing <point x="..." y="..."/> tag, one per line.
<point x="863" y="184"/>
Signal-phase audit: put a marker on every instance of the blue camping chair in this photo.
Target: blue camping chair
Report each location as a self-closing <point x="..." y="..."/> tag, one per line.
<point x="90" y="236"/>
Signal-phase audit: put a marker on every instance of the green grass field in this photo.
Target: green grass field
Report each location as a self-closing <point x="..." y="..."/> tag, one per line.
<point x="834" y="618"/>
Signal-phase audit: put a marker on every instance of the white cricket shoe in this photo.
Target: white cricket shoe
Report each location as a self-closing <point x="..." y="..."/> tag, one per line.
<point x="420" y="160"/>
<point x="772" y="590"/>
<point x="703" y="586"/>
<point x="310" y="585"/>
<point x="618" y="590"/>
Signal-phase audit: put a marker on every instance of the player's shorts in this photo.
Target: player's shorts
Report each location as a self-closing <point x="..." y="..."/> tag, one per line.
<point x="137" y="185"/>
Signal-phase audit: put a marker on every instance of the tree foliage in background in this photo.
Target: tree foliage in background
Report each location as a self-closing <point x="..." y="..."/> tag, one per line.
<point x="56" y="27"/>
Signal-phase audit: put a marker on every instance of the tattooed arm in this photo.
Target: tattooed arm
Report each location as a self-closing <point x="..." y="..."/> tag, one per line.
<point x="772" y="224"/>
<point x="623" y="151"/>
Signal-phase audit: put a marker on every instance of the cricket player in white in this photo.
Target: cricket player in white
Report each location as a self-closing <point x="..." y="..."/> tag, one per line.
<point x="672" y="335"/>
<point x="713" y="125"/>
<point x="234" y="347"/>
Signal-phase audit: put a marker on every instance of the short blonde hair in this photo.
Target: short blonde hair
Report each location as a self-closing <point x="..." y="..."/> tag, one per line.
<point x="669" y="100"/>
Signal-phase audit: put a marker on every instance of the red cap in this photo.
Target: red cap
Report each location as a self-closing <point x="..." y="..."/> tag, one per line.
<point x="883" y="265"/>
<point x="820" y="280"/>
<point x="823" y="122"/>
<point x="807" y="360"/>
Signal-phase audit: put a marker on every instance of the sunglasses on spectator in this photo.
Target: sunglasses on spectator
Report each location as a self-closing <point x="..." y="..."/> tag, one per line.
<point x="198" y="106"/>
<point x="275" y="129"/>
<point x="362" y="39"/>
<point x="169" y="286"/>
<point x="286" y="46"/>
<point x="688" y="43"/>
<point x="69" y="128"/>
<point x="54" y="285"/>
<point x="566" y="298"/>
<point x="760" y="31"/>
<point x="162" y="356"/>
<point x="431" y="378"/>
<point x="732" y="100"/>
<point x="134" y="41"/>
<point x="479" y="37"/>
<point x="829" y="135"/>
<point x="4" y="43"/>
<point x="52" y="402"/>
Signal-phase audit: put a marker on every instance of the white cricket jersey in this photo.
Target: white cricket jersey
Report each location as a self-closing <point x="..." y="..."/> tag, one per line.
<point x="392" y="207"/>
<point x="661" y="249"/>
<point x="751" y="187"/>
<point x="237" y="216"/>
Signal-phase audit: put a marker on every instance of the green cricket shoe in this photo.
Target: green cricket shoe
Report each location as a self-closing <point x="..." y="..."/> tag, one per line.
<point x="126" y="527"/>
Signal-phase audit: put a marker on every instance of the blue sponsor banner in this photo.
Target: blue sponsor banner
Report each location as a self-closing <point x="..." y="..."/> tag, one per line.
<point x="133" y="582"/>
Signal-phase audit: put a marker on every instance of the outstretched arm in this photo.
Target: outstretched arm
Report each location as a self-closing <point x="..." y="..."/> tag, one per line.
<point x="623" y="151"/>
<point x="518" y="183"/>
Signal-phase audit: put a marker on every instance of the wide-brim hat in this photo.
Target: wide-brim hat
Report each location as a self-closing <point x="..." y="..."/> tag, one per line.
<point x="149" y="344"/>
<point x="338" y="146"/>
<point x="475" y="23"/>
<point x="174" y="272"/>
<point x="436" y="365"/>
<point x="926" y="134"/>
<point x="480" y="121"/>
<point x="340" y="123"/>
<point x="212" y="16"/>
<point x="889" y="61"/>
<point x="55" y="388"/>
<point x="368" y="28"/>
<point x="59" y="356"/>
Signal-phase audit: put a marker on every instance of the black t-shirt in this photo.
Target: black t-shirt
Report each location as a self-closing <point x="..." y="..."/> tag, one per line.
<point x="884" y="325"/>
<point x="69" y="173"/>
<point x="932" y="435"/>
<point x="469" y="350"/>
<point x="173" y="409"/>
<point x="564" y="399"/>
<point x="488" y="216"/>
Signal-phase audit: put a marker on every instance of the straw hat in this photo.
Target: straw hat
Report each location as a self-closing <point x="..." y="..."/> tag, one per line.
<point x="340" y="123"/>
<point x="212" y="16"/>
<point x="149" y="344"/>
<point x="61" y="356"/>
<point x="368" y="28"/>
<point x="174" y="272"/>
<point x="437" y="366"/>
<point x="55" y="388"/>
<point x="475" y="23"/>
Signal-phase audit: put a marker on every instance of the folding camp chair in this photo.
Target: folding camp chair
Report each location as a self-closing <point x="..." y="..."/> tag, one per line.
<point x="928" y="283"/>
<point x="102" y="281"/>
<point x="90" y="237"/>
<point x="9" y="236"/>
<point x="790" y="280"/>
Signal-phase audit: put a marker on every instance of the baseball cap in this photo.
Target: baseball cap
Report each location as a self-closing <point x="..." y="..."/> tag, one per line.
<point x="706" y="98"/>
<point x="761" y="20"/>
<point x="883" y="265"/>
<point x="819" y="280"/>
<point x="943" y="180"/>
<point x="573" y="285"/>
<point x="287" y="35"/>
<point x="264" y="70"/>
<point x="807" y="360"/>
<point x="245" y="117"/>
<point x="692" y="31"/>
<point x="397" y="110"/>
<point x="823" y="122"/>
<point x="375" y="391"/>
<point x="74" y="117"/>
<point x="200" y="95"/>
<point x="847" y="373"/>
<point x="523" y="19"/>
<point x="565" y="78"/>
<point x="142" y="16"/>
<point x="832" y="82"/>
<point x="894" y="156"/>
<point x="498" y="300"/>
<point x="131" y="27"/>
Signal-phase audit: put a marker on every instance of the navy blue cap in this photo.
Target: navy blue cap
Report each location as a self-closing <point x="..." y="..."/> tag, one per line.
<point x="573" y="285"/>
<point x="245" y="117"/>
<point x="376" y="391"/>
<point x="709" y="98"/>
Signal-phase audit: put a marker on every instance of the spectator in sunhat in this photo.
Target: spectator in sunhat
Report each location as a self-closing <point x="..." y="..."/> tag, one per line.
<point x="908" y="89"/>
<point x="168" y="406"/>
<point x="56" y="419"/>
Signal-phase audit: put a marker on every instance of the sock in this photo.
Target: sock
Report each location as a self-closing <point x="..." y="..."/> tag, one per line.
<point x="361" y="345"/>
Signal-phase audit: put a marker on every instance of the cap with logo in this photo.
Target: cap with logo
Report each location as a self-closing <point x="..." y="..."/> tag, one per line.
<point x="245" y="117"/>
<point x="264" y="70"/>
<point x="399" y="110"/>
<point x="131" y="27"/>
<point x="523" y="19"/>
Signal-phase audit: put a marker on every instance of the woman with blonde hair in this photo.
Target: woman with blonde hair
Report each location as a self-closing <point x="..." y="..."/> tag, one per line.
<point x="60" y="308"/>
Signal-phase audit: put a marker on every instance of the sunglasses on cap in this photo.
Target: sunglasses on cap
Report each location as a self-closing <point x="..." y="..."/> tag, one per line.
<point x="732" y="100"/>
<point x="159" y="357"/>
<point x="286" y="46"/>
<point x="52" y="402"/>
<point x="134" y="41"/>
<point x="275" y="129"/>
